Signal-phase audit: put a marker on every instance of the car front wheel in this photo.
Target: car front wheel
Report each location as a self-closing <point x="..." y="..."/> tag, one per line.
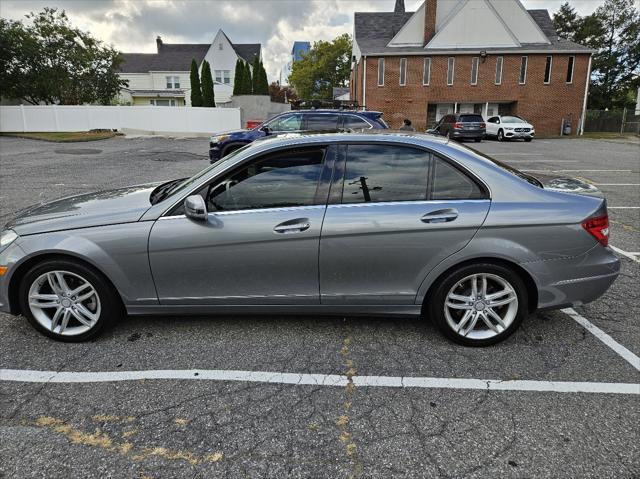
<point x="500" y="135"/>
<point x="479" y="305"/>
<point x="67" y="301"/>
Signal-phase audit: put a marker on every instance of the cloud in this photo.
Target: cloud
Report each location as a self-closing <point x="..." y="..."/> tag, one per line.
<point x="132" y="25"/>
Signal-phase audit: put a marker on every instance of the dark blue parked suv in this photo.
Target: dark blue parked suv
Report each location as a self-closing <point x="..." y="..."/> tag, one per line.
<point x="295" y="121"/>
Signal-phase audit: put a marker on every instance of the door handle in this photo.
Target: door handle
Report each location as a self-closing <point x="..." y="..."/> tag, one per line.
<point x="440" y="216"/>
<point x="293" y="226"/>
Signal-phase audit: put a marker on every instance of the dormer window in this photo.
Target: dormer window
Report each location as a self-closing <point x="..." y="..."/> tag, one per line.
<point x="173" y="82"/>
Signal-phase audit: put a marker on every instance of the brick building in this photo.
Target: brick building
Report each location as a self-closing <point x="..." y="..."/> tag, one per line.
<point x="484" y="56"/>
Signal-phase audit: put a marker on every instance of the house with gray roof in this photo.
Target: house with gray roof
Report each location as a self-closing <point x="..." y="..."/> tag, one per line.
<point x="491" y="57"/>
<point x="163" y="78"/>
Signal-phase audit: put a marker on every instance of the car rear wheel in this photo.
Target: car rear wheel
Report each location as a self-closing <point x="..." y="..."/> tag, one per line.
<point x="479" y="305"/>
<point x="500" y="135"/>
<point x="67" y="301"/>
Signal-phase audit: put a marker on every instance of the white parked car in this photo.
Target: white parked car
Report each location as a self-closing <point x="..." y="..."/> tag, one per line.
<point x="509" y="127"/>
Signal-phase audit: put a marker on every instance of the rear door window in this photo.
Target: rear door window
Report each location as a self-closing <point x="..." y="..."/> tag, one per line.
<point x="355" y="123"/>
<point x="378" y="173"/>
<point x="322" y="122"/>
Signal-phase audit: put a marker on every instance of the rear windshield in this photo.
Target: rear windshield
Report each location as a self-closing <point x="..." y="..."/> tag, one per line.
<point x="528" y="178"/>
<point x="470" y="118"/>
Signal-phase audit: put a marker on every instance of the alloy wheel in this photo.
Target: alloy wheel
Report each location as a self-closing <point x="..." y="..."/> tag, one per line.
<point x="481" y="306"/>
<point x="64" y="303"/>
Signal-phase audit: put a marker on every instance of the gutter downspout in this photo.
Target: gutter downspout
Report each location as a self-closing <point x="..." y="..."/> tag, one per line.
<point x="586" y="94"/>
<point x="364" y="84"/>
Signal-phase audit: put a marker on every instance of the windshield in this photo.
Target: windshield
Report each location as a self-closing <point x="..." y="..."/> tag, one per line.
<point x="512" y="119"/>
<point x="174" y="187"/>
<point x="528" y="178"/>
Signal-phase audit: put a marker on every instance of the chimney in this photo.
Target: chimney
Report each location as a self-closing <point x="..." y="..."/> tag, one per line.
<point x="399" y="8"/>
<point x="429" y="20"/>
<point x="159" y="43"/>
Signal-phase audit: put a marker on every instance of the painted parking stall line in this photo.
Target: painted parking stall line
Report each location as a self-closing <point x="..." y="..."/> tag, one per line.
<point x="604" y="337"/>
<point x="335" y="380"/>
<point x="626" y="254"/>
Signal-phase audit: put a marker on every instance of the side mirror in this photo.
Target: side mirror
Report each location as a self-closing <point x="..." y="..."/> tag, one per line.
<point x="266" y="130"/>
<point x="195" y="208"/>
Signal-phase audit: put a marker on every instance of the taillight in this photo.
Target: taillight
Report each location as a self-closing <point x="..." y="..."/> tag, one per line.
<point x="598" y="227"/>
<point x="483" y="125"/>
<point x="457" y="125"/>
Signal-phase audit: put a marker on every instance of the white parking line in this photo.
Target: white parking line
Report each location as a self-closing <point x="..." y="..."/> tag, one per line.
<point x="624" y="253"/>
<point x="604" y="337"/>
<point x="558" y="171"/>
<point x="623" y="207"/>
<point x="31" y="376"/>
<point x="617" y="184"/>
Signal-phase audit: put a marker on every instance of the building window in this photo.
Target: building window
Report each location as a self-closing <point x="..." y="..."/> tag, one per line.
<point x="219" y="46"/>
<point x="403" y="71"/>
<point x="173" y="82"/>
<point x="380" y="71"/>
<point x="475" y="62"/>
<point x="450" y="70"/>
<point x="426" y="74"/>
<point x="572" y="60"/>
<point x="547" y="70"/>
<point x="499" y="71"/>
<point x="162" y="102"/>
<point x="223" y="76"/>
<point x="523" y="70"/>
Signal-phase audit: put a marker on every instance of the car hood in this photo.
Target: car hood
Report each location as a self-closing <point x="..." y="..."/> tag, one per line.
<point x="122" y="205"/>
<point x="516" y="125"/>
<point x="239" y="135"/>
<point x="568" y="185"/>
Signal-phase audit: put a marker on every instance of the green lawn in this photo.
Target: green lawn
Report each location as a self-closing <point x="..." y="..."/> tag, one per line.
<point x="65" y="136"/>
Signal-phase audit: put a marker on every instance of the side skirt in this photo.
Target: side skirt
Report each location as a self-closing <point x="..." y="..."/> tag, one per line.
<point x="408" y="311"/>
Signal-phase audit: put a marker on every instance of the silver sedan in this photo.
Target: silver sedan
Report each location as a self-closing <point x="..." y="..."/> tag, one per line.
<point x="348" y="224"/>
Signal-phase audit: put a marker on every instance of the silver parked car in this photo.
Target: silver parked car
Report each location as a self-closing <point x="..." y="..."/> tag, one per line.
<point x="384" y="224"/>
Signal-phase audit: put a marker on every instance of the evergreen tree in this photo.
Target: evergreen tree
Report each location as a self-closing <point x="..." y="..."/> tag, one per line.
<point x="264" y="82"/>
<point x="567" y="22"/>
<point x="208" y="98"/>
<point x="255" y="81"/>
<point x="238" y="77"/>
<point x="196" y="91"/>
<point x="246" y="80"/>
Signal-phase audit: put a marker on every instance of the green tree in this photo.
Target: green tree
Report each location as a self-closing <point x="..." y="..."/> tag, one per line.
<point x="255" y="81"/>
<point x="208" y="97"/>
<point x="238" y="77"/>
<point x="246" y="80"/>
<point x="567" y="22"/>
<point x="613" y="31"/>
<point x="196" y="90"/>
<point x="326" y="65"/>
<point x="49" y="61"/>
<point x="263" y="84"/>
<point x="616" y="64"/>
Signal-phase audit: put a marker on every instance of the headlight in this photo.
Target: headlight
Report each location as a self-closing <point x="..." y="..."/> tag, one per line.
<point x="7" y="237"/>
<point x="508" y="128"/>
<point x="221" y="138"/>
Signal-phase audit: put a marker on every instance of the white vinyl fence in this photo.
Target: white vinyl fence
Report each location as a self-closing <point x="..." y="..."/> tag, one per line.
<point x="154" y="119"/>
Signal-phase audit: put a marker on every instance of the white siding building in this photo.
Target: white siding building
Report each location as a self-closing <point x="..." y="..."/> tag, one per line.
<point x="163" y="78"/>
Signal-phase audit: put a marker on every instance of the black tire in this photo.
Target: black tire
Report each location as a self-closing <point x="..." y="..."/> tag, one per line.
<point x="436" y="305"/>
<point x="110" y="303"/>
<point x="528" y="140"/>
<point x="500" y="136"/>
<point x="230" y="148"/>
<point x="477" y="140"/>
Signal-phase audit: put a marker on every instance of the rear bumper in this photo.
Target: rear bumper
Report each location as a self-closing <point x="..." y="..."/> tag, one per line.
<point x="576" y="280"/>
<point x="467" y="133"/>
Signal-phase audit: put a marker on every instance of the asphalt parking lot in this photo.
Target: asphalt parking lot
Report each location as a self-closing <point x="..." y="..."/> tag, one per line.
<point x="327" y="397"/>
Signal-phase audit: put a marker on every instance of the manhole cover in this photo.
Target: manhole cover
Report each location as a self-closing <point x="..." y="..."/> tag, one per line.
<point x="79" y="151"/>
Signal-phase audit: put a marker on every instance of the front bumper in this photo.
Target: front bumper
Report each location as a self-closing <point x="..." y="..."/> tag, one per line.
<point x="519" y="134"/>
<point x="574" y="281"/>
<point x="10" y="257"/>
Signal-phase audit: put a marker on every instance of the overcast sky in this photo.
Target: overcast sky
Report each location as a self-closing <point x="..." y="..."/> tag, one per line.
<point x="132" y="25"/>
